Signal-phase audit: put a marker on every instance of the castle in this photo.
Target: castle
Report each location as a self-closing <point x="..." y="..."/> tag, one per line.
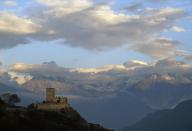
<point x="52" y="102"/>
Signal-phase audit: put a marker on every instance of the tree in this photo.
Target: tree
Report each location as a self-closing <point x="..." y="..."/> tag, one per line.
<point x="2" y="103"/>
<point x="10" y="99"/>
<point x="2" y="107"/>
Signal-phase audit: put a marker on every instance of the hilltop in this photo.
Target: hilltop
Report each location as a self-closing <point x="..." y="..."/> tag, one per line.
<point x="22" y="119"/>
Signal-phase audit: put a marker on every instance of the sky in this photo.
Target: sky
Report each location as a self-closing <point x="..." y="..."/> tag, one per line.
<point x="93" y="33"/>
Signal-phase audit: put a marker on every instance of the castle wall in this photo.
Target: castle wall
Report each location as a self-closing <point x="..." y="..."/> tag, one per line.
<point x="51" y="106"/>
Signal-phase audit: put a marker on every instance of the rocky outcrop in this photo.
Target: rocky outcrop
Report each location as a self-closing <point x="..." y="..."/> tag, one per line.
<point x="23" y="119"/>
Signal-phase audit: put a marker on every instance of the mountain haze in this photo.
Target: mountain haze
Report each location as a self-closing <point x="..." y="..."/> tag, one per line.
<point x="135" y="87"/>
<point x="177" y="119"/>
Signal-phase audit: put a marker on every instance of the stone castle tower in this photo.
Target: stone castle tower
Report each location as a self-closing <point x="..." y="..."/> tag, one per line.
<point x="53" y="102"/>
<point x="50" y="94"/>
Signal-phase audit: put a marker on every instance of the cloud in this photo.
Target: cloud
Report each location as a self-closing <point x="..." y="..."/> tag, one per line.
<point x="135" y="7"/>
<point x="159" y="0"/>
<point x="9" y="3"/>
<point x="188" y="57"/>
<point x="45" y="69"/>
<point x="11" y="23"/>
<point x="100" y="27"/>
<point x="30" y="68"/>
<point x="14" y="29"/>
<point x="159" y="47"/>
<point x="132" y="67"/>
<point x="177" y="29"/>
<point x="89" y="25"/>
<point x="1" y="63"/>
<point x="185" y="54"/>
<point x="135" y="64"/>
<point x="66" y="6"/>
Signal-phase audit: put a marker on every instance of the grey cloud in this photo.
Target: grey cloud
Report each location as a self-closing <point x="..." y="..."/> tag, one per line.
<point x="94" y="26"/>
<point x="159" y="47"/>
<point x="185" y="54"/>
<point x="9" y="3"/>
<point x="84" y="30"/>
<point x="187" y="57"/>
<point x="159" y="0"/>
<point x="9" y="40"/>
<point x="135" y="7"/>
<point x="47" y="68"/>
<point x="15" y="30"/>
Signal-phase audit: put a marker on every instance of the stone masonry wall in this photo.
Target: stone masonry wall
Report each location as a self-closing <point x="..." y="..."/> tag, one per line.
<point x="51" y="106"/>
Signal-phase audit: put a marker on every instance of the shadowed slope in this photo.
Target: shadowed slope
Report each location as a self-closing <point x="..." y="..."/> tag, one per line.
<point x="177" y="119"/>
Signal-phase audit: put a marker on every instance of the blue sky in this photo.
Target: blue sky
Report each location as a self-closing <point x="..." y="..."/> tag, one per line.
<point x="66" y="56"/>
<point x="74" y="53"/>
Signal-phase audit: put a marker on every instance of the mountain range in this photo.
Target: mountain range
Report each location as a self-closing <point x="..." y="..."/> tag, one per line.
<point x="134" y="88"/>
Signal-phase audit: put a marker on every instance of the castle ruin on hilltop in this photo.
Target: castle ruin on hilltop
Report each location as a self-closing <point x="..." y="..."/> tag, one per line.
<point x="52" y="102"/>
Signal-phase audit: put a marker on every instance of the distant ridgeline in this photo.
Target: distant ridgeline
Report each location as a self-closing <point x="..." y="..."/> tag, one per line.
<point x="177" y="119"/>
<point x="52" y="102"/>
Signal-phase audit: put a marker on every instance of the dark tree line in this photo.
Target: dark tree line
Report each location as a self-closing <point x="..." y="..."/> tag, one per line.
<point x="10" y="99"/>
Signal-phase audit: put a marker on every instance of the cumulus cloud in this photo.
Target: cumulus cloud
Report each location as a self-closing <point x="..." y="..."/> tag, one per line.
<point x="45" y="67"/>
<point x="177" y="29"/>
<point x="11" y="23"/>
<point x="135" y="64"/>
<point x="14" y="29"/>
<point x="85" y="24"/>
<point x="9" y="3"/>
<point x="99" y="26"/>
<point x="65" y="7"/>
<point x="159" y="47"/>
<point x="159" y="0"/>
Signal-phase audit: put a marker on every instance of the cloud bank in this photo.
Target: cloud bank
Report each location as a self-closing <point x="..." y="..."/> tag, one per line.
<point x="93" y="26"/>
